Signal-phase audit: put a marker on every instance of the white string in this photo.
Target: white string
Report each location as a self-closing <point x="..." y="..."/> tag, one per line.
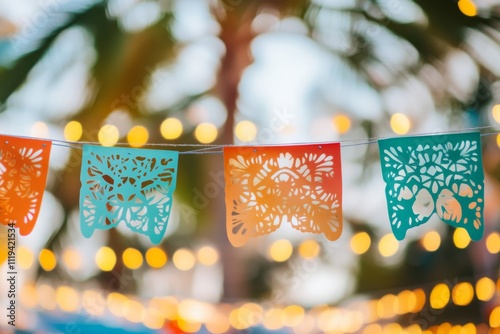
<point x="201" y="149"/>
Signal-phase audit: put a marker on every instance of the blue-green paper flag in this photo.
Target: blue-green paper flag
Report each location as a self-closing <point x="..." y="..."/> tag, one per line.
<point x="440" y="174"/>
<point x="127" y="186"/>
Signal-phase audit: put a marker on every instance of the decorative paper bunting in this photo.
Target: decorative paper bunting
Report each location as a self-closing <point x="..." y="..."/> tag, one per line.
<point x="268" y="185"/>
<point x="131" y="186"/>
<point x="23" y="172"/>
<point x="439" y="174"/>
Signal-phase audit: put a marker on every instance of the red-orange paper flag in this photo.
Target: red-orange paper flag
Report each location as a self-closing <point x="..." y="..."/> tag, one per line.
<point x="23" y="172"/>
<point x="270" y="185"/>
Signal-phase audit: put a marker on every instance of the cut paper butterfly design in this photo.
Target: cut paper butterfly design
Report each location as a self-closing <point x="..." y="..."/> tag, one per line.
<point x="24" y="165"/>
<point x="127" y="186"/>
<point x="270" y="185"/>
<point x="439" y="174"/>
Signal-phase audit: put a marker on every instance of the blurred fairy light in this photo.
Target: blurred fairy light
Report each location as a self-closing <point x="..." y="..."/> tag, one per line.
<point x="40" y="130"/>
<point x="183" y="259"/>
<point x="467" y="7"/>
<point x="462" y="294"/>
<point x="495" y="112"/>
<point x="205" y="133"/>
<point x="68" y="299"/>
<point x="28" y="295"/>
<point x="133" y="311"/>
<point x="440" y="296"/>
<point x="498" y="140"/>
<point x="246" y="131"/>
<point x="431" y="241"/>
<point x="388" y="245"/>
<point x="46" y="296"/>
<point x="156" y="257"/>
<point x="280" y="250"/>
<point x="360" y="243"/>
<point x="108" y="135"/>
<point x="115" y="302"/>
<point x="461" y="238"/>
<point x="342" y="123"/>
<point x="132" y="258"/>
<point x="25" y="257"/>
<point x="292" y="315"/>
<point x="105" y="258"/>
<point x="47" y="260"/>
<point x="73" y="131"/>
<point x="152" y="320"/>
<point x="495" y="317"/>
<point x="485" y="289"/>
<point x="171" y="128"/>
<point x="309" y="249"/>
<point x="400" y="124"/>
<point x="207" y="256"/>
<point x="71" y="258"/>
<point x="493" y="242"/>
<point x="138" y="136"/>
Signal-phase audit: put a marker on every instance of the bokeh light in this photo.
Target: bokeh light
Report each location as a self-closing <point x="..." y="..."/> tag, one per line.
<point x="495" y="317"/>
<point x="132" y="258"/>
<point x="105" y="259"/>
<point x="462" y="293"/>
<point x="47" y="260"/>
<point x="485" y="289"/>
<point x="71" y="258"/>
<point x="461" y="238"/>
<point x="73" y="131"/>
<point x="207" y="256"/>
<point x="171" y="128"/>
<point x="280" y="250"/>
<point x="400" y="124"/>
<point x="431" y="241"/>
<point x="245" y="131"/>
<point x="292" y="315"/>
<point x="467" y="7"/>
<point x="309" y="249"/>
<point x="39" y="129"/>
<point x="108" y="135"/>
<point x="342" y="123"/>
<point x="495" y="112"/>
<point x="138" y="136"/>
<point x="388" y="245"/>
<point x="360" y="243"/>
<point x="156" y="257"/>
<point x="133" y="311"/>
<point x="67" y="298"/>
<point x="440" y="296"/>
<point x="25" y="257"/>
<point x="183" y="259"/>
<point x="205" y="133"/>
<point x="115" y="302"/>
<point x="493" y="243"/>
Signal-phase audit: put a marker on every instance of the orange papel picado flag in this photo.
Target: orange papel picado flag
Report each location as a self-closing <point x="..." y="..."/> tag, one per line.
<point x="270" y="185"/>
<point x="23" y="172"/>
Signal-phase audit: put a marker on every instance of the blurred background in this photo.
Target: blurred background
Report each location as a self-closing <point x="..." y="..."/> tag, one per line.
<point x="170" y="72"/>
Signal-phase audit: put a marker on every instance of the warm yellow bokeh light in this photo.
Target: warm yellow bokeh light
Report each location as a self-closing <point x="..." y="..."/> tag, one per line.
<point x="108" y="135"/>
<point x="67" y="298"/>
<point x="495" y="111"/>
<point x="462" y="293"/>
<point x="309" y="249"/>
<point x="219" y="324"/>
<point x="133" y="311"/>
<point x="207" y="256"/>
<point x="280" y="250"/>
<point x="132" y="258"/>
<point x="388" y="245"/>
<point x="115" y="302"/>
<point x="467" y="7"/>
<point x="440" y="296"/>
<point x="183" y="259"/>
<point x="342" y="123"/>
<point x="46" y="296"/>
<point x="461" y="238"/>
<point x="495" y="317"/>
<point x="205" y="133"/>
<point x="485" y="289"/>
<point x="138" y="136"/>
<point x="272" y="319"/>
<point x="420" y="295"/>
<point x="71" y="258"/>
<point x="25" y="257"/>
<point x="187" y="326"/>
<point x="152" y="320"/>
<point x="105" y="259"/>
<point x="27" y="295"/>
<point x="171" y="128"/>
<point x="407" y="301"/>
<point x="431" y="241"/>
<point x="73" y="131"/>
<point x="360" y="243"/>
<point x="47" y="260"/>
<point x="400" y="124"/>
<point x="493" y="243"/>
<point x="292" y="315"/>
<point x="156" y="257"/>
<point x="93" y="302"/>
<point x="39" y="129"/>
<point x="498" y="140"/>
<point x="245" y="131"/>
<point x="387" y="306"/>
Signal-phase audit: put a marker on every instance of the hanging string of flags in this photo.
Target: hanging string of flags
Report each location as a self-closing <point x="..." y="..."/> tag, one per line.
<point x="265" y="186"/>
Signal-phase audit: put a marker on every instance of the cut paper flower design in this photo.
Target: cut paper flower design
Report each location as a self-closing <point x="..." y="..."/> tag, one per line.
<point x="24" y="165"/>
<point x="127" y="186"/>
<point x="270" y="185"/>
<point x="439" y="174"/>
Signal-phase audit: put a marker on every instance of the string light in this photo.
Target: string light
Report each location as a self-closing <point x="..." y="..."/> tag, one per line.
<point x="183" y="259"/>
<point x="400" y="124"/>
<point x="280" y="250"/>
<point x="171" y="128"/>
<point x="431" y="241"/>
<point x="342" y="123"/>
<point x="47" y="260"/>
<point x="461" y="238"/>
<point x="105" y="258"/>
<point x="440" y="296"/>
<point x="73" y="131"/>
<point x="485" y="289"/>
<point x="138" y="136"/>
<point x="245" y="131"/>
<point x="360" y="243"/>
<point x="156" y="257"/>
<point x="388" y="245"/>
<point x="467" y="7"/>
<point x="309" y="249"/>
<point x="495" y="111"/>
<point x="108" y="135"/>
<point x="132" y="258"/>
<point x="205" y="133"/>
